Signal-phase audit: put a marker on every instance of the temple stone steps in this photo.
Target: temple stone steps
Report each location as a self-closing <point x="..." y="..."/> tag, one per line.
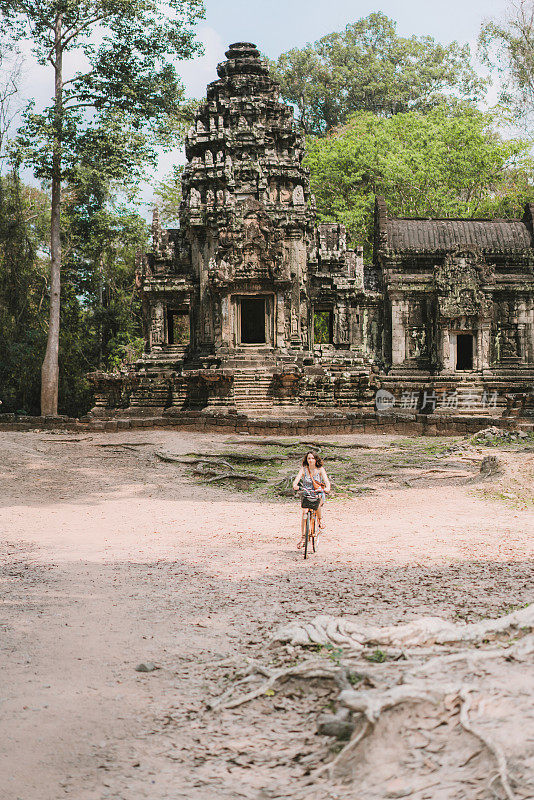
<point x="251" y="390"/>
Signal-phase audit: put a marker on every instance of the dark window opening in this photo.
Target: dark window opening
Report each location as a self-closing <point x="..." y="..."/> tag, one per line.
<point x="464" y="351"/>
<point x="253" y="321"/>
<point x="178" y="328"/>
<point x="323" y="327"/>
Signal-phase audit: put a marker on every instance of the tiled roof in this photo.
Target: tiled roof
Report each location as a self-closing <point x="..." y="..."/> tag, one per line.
<point x="430" y="235"/>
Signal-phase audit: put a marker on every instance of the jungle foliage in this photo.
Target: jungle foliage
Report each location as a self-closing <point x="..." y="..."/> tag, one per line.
<point x="441" y="163"/>
<point x="369" y="67"/>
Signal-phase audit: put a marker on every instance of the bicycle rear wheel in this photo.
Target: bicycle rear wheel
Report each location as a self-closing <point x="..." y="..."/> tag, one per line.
<point x="307" y="534"/>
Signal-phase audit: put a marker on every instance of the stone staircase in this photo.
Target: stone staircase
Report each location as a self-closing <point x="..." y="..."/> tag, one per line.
<point x="251" y="390"/>
<point x="168" y="356"/>
<point x="472" y="398"/>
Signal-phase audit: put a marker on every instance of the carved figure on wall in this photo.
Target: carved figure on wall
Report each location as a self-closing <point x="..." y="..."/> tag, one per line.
<point x="210" y="197"/>
<point x="195" y="198"/>
<point x="298" y="196"/>
<point x="285" y="195"/>
<point x="374" y="336"/>
<point x="294" y="321"/>
<point x="417" y="343"/>
<point x="458" y="282"/>
<point x="217" y="318"/>
<point x="342" y="327"/>
<point x="506" y="344"/>
<point x="157" y="328"/>
<point x="208" y="158"/>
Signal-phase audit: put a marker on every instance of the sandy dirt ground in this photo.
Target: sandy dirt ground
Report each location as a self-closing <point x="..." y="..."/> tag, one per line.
<point x="111" y="557"/>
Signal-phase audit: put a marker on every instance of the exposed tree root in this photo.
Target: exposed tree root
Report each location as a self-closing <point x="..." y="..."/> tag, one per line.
<point x="426" y="690"/>
<point x="422" y="632"/>
<point x="493" y="748"/>
<point x="239" y="476"/>
<point x="308" y="670"/>
<point x="369" y="705"/>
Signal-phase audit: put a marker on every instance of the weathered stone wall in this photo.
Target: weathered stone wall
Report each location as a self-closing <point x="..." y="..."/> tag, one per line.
<point x="325" y="423"/>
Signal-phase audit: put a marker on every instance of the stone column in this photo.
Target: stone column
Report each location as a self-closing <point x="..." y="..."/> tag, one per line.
<point x="279" y="321"/>
<point x="226" y="323"/>
<point x="525" y="324"/>
<point x="484" y="344"/>
<point x="398" y="330"/>
<point x="157" y="323"/>
<point x="297" y="265"/>
<point x="444" y="353"/>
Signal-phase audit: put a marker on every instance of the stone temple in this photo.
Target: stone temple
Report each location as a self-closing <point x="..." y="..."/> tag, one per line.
<point x="252" y="307"/>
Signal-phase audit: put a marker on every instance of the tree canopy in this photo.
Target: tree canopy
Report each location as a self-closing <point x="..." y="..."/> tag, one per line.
<point x="445" y="162"/>
<point x="117" y="110"/>
<point x="508" y="47"/>
<point x="369" y="67"/>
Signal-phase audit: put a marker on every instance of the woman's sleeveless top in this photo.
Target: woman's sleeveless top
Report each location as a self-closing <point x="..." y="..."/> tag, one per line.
<point x="307" y="485"/>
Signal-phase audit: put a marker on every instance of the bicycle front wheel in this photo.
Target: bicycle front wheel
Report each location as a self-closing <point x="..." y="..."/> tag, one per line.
<point x="307" y="534"/>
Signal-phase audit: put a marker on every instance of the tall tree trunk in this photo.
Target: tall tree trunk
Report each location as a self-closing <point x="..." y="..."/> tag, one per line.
<point x="50" y="368"/>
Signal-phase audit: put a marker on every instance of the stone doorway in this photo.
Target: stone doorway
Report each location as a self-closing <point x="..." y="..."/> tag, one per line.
<point x="178" y="327"/>
<point x="253" y="320"/>
<point x="464" y="351"/>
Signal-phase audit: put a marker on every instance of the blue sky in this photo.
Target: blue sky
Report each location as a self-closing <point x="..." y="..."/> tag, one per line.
<point x="279" y="25"/>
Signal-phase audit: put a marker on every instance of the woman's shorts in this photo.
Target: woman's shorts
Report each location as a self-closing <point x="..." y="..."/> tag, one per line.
<point x="306" y="502"/>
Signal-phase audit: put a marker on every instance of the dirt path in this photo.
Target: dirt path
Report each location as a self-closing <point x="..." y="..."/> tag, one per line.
<point x="111" y="557"/>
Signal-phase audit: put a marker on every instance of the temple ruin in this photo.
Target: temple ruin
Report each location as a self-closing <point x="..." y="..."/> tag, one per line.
<point x="252" y="306"/>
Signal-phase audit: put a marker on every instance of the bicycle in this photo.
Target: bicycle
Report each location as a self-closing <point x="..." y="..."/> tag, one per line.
<point x="310" y="532"/>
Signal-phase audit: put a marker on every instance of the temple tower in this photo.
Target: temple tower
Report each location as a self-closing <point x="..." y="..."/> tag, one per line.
<point x="246" y="215"/>
<point x="251" y="306"/>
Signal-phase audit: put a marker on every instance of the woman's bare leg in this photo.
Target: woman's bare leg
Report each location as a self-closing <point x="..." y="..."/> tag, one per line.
<point x="303" y="527"/>
<point x="320" y="515"/>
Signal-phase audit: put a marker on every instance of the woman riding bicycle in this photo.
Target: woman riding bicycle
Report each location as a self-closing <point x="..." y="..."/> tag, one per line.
<point x="314" y="484"/>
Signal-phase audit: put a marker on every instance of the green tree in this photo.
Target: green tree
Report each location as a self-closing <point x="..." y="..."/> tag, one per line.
<point x="369" y="67"/>
<point x="101" y="238"/>
<point x="128" y="97"/>
<point x="169" y="194"/>
<point x="446" y="162"/>
<point x="24" y="264"/>
<point x="508" y="48"/>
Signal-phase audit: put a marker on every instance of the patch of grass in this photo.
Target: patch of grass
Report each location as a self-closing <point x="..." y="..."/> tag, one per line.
<point x="376" y="657"/>
<point x="519" y="498"/>
<point x="314" y="648"/>
<point x="334" y="653"/>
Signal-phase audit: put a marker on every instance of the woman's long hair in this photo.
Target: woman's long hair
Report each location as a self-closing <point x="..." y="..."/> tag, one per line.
<point x="318" y="459"/>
